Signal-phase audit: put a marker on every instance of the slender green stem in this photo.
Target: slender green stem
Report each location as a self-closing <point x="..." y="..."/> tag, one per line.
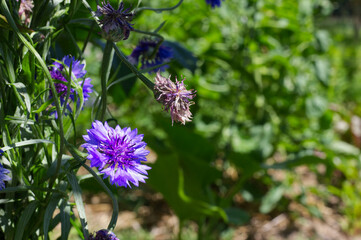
<point x="74" y="41"/>
<point x="150" y="33"/>
<point x="79" y="103"/>
<point x="159" y="10"/>
<point x="130" y="75"/>
<point x="86" y="4"/>
<point x="181" y="223"/>
<point x="124" y="59"/>
<point x="94" y="113"/>
<point x="88" y="37"/>
<point x="159" y="27"/>
<point x="68" y="87"/>
<point x="106" y="66"/>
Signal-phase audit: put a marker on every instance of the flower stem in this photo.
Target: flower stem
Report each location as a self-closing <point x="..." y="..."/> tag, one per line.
<point x="88" y="37"/>
<point x="68" y="87"/>
<point x="106" y="66"/>
<point x="130" y="75"/>
<point x="150" y="33"/>
<point x="124" y="59"/>
<point x="159" y="10"/>
<point x="73" y="41"/>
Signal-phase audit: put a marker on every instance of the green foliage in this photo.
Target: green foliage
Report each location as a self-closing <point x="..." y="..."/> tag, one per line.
<point x="262" y="82"/>
<point x="270" y="90"/>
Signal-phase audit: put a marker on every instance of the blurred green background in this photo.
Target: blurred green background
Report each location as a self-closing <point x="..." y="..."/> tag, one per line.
<point x="273" y="151"/>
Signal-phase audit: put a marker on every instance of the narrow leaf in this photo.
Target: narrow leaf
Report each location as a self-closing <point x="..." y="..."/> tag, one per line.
<point x="49" y="213"/>
<point x="44" y="106"/>
<point x="65" y="219"/>
<point x="79" y="202"/>
<point x="24" y="219"/>
<point x="26" y="143"/>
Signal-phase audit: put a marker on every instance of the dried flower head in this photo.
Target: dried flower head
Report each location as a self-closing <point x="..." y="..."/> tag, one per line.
<point x="117" y="153"/>
<point x="25" y="10"/>
<point x="214" y="3"/>
<point x="103" y="234"/>
<point x="115" y="23"/>
<point x="60" y="70"/>
<point x="151" y="53"/>
<point x="175" y="98"/>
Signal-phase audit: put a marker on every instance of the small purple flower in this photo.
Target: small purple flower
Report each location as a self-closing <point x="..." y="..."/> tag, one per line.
<point x="174" y="97"/>
<point x="117" y="153"/>
<point x="103" y="234"/>
<point x="214" y="3"/>
<point x="25" y="10"/>
<point x="60" y="70"/>
<point x="151" y="53"/>
<point x="115" y="23"/>
<point x="3" y="172"/>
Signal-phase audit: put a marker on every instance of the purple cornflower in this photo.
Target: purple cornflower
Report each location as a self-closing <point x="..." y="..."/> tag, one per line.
<point x="103" y="234"/>
<point x="151" y="53"/>
<point x="115" y="23"/>
<point x="214" y="3"/>
<point x="117" y="153"/>
<point x="3" y="172"/>
<point x="25" y="10"/>
<point x="174" y="97"/>
<point x="60" y="70"/>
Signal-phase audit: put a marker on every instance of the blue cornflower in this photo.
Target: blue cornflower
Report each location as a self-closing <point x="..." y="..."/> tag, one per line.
<point x="151" y="53"/>
<point x="115" y="23"/>
<point x="103" y="234"/>
<point x="117" y="153"/>
<point x="59" y="71"/>
<point x="3" y="172"/>
<point x="214" y="3"/>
